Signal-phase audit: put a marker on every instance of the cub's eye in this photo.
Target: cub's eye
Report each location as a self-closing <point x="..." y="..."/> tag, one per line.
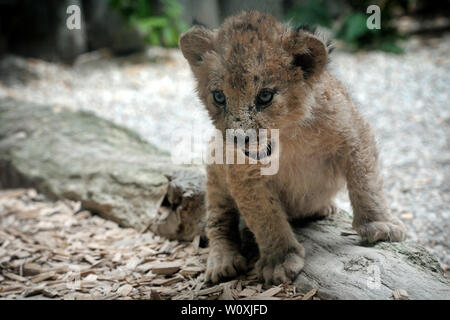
<point x="265" y="96"/>
<point x="219" y="97"/>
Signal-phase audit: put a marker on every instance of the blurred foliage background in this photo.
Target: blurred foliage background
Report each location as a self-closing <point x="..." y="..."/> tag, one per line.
<point x="346" y="19"/>
<point x="158" y="28"/>
<point x="38" y="28"/>
<point x="349" y="24"/>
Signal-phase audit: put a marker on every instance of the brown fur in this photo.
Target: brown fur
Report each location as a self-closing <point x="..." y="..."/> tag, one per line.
<point x="324" y="144"/>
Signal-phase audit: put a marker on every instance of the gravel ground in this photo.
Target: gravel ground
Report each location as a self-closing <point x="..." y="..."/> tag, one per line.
<point x="404" y="97"/>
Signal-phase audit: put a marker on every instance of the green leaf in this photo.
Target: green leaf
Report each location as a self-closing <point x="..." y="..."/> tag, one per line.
<point x="355" y="26"/>
<point x="390" y="46"/>
<point x="168" y="38"/>
<point x="153" y="38"/>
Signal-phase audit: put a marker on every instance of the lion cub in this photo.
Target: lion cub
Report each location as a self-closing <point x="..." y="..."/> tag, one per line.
<point x="255" y="73"/>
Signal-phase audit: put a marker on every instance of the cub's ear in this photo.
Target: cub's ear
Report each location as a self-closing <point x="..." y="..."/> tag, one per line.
<point x="309" y="53"/>
<point x="195" y="42"/>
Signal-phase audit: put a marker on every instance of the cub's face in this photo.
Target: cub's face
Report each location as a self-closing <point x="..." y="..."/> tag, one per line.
<point x="254" y="72"/>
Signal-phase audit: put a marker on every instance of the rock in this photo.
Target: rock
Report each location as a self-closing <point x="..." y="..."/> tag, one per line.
<point x="79" y="156"/>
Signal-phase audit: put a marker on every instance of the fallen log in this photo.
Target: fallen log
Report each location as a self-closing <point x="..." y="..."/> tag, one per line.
<point x="343" y="267"/>
<point x="114" y="173"/>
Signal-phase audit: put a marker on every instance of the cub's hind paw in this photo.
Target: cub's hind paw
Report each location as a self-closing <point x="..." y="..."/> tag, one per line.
<point x="382" y="231"/>
<point x="326" y="211"/>
<point x="224" y="264"/>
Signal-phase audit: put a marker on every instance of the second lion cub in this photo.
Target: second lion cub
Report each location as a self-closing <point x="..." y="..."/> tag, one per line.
<point x="256" y="73"/>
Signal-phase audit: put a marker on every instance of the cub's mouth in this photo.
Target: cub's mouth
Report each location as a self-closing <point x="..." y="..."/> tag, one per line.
<point x="257" y="151"/>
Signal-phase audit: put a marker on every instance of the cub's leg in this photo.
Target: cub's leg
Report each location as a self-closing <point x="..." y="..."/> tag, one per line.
<point x="325" y="211"/>
<point x="222" y="229"/>
<point x="372" y="217"/>
<point x="281" y="256"/>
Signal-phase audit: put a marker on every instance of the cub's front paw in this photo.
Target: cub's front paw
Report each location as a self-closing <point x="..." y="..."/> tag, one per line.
<point x="223" y="264"/>
<point x="374" y="231"/>
<point x="277" y="269"/>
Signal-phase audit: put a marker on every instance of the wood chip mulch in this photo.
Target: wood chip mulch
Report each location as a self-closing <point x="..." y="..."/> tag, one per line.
<point x="57" y="250"/>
